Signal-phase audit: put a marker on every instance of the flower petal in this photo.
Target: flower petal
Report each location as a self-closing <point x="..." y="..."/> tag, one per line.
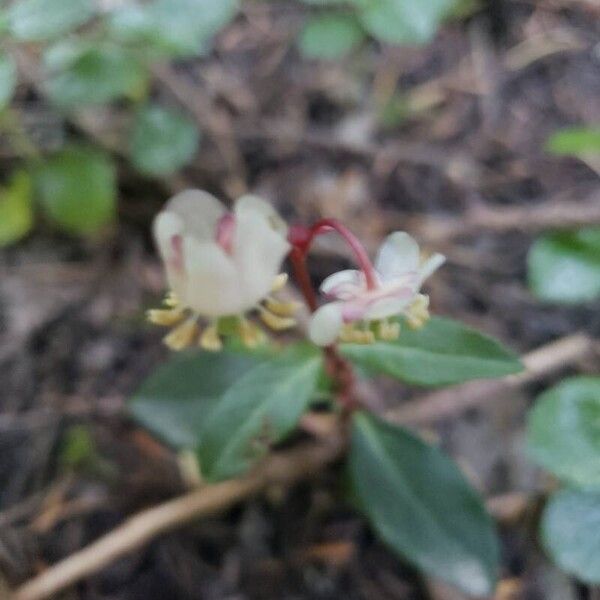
<point x="343" y="285"/>
<point x="258" y="251"/>
<point x="389" y="306"/>
<point x="398" y="255"/>
<point x="325" y="324"/>
<point x="199" y="212"/>
<point x="255" y="204"/>
<point x="432" y="264"/>
<point x="211" y="286"/>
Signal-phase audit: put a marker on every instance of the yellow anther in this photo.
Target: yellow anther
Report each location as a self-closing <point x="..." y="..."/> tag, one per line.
<point x="250" y="334"/>
<point x="279" y="282"/>
<point x="167" y="316"/>
<point x="347" y="333"/>
<point x="418" y="312"/>
<point x="388" y="331"/>
<point x="171" y="300"/>
<point x="183" y="335"/>
<point x="275" y="322"/>
<point x="282" y="309"/>
<point x="365" y="337"/>
<point x="210" y="339"/>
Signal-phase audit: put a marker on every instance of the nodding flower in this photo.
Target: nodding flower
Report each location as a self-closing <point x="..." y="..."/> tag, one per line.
<point x="358" y="312"/>
<point x="219" y="264"/>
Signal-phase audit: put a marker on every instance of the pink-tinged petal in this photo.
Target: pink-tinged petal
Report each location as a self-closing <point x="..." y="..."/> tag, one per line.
<point x="326" y="324"/>
<point x="432" y="264"/>
<point x="199" y="212"/>
<point x="388" y="307"/>
<point x="399" y="254"/>
<point x="167" y="228"/>
<point x="211" y="283"/>
<point x="258" y="205"/>
<point x="343" y="285"/>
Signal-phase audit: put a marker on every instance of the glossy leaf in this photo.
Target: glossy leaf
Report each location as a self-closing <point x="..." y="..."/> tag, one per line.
<point x="570" y="526"/>
<point x="565" y="267"/>
<point x="418" y="502"/>
<point x="402" y="21"/>
<point x="8" y="79"/>
<point x="16" y="210"/>
<point x="34" y="20"/>
<point x="575" y="141"/>
<point x="175" y="401"/>
<point x="162" y="141"/>
<point x="261" y="408"/>
<point x="77" y="189"/>
<point x="330" y="36"/>
<point x="96" y="74"/>
<point x="564" y="430"/>
<point x="175" y="27"/>
<point x="442" y="352"/>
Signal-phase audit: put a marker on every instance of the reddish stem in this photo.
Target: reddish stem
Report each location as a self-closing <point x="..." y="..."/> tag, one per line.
<point x="298" y="260"/>
<point x="362" y="258"/>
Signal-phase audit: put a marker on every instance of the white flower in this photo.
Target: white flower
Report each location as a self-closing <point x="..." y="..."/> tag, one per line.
<point x="218" y="263"/>
<point x="399" y="275"/>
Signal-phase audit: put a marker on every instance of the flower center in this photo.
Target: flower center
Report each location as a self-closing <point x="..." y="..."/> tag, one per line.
<point x="225" y="231"/>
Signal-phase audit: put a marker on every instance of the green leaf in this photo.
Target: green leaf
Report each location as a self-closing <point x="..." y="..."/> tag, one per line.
<point x="564" y="430"/>
<point x="95" y="74"/>
<point x="175" y="401"/>
<point x="175" y="27"/>
<point x="575" y="141"/>
<point x="565" y="267"/>
<point x="35" y="20"/>
<point x="421" y="506"/>
<point x="261" y="408"/>
<point x="402" y="21"/>
<point x="443" y="352"/>
<point x="162" y="141"/>
<point x="77" y="189"/>
<point x="16" y="210"/>
<point x="8" y="79"/>
<point x="330" y="36"/>
<point x="570" y="526"/>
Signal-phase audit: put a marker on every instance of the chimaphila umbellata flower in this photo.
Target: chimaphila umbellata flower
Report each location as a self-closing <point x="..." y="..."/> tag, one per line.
<point x="359" y="312"/>
<point x="219" y="264"/>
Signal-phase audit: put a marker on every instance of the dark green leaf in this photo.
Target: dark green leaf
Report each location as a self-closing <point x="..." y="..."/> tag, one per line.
<point x="16" y="211"/>
<point x="565" y="267"/>
<point x="77" y="189"/>
<point x="575" y="141"/>
<point x="402" y="21"/>
<point x="163" y="141"/>
<point x="564" y="430"/>
<point x="442" y="352"/>
<point x="8" y="79"/>
<point x="175" y="401"/>
<point x="96" y="74"/>
<point x="34" y="20"/>
<point x="258" y="410"/>
<point x="330" y="36"/>
<point x="570" y="527"/>
<point x="419" y="503"/>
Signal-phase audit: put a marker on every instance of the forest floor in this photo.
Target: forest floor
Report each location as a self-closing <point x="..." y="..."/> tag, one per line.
<point x="445" y="141"/>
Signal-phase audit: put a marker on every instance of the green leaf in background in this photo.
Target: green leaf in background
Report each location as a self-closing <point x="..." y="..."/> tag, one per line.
<point x="162" y="141"/>
<point x="77" y="189"/>
<point x="564" y="430"/>
<point x="570" y="527"/>
<point x="443" y="352"/>
<point x="35" y="20"/>
<point x="261" y="408"/>
<point x="8" y="79"/>
<point x="16" y="210"/>
<point x="175" y="401"/>
<point x="421" y="506"/>
<point x="402" y="21"/>
<point x="575" y="141"/>
<point x="565" y="267"/>
<point x="177" y="27"/>
<point x="96" y="74"/>
<point x="330" y="36"/>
